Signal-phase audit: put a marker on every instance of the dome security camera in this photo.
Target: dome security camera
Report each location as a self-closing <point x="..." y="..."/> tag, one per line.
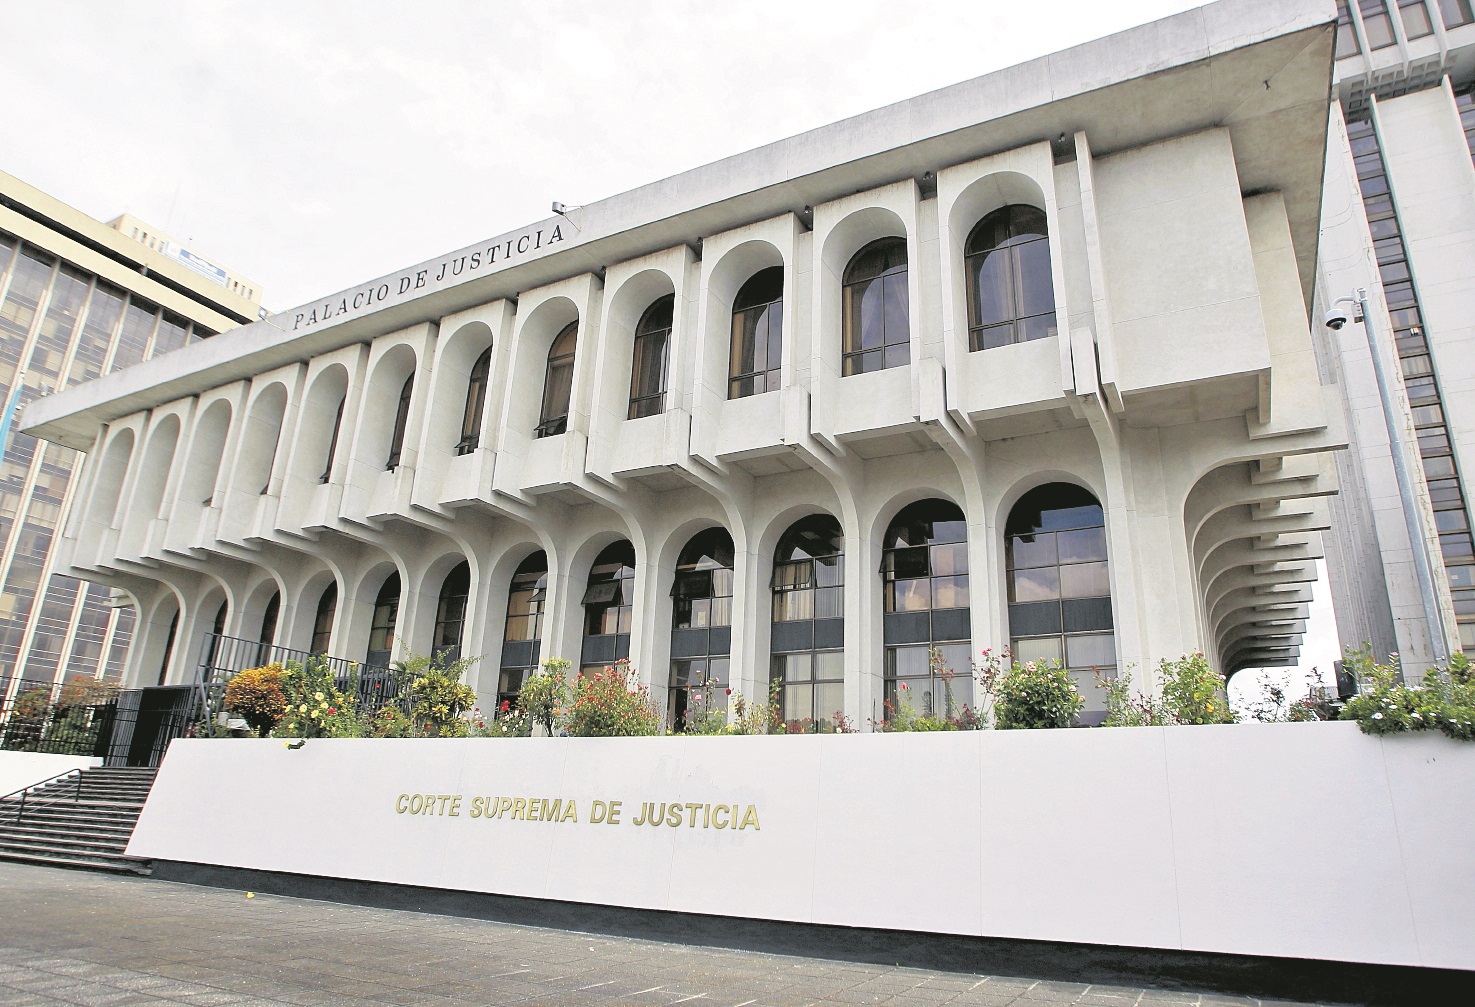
<point x="1336" y="318"/>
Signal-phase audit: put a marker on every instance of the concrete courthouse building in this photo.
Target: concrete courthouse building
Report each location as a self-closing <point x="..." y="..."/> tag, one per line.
<point x="1034" y="360"/>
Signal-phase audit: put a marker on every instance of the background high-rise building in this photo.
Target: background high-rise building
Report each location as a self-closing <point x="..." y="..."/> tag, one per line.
<point x="78" y="298"/>
<point x="1398" y="218"/>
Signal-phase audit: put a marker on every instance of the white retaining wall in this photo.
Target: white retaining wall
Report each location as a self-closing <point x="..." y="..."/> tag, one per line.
<point x="1292" y="840"/>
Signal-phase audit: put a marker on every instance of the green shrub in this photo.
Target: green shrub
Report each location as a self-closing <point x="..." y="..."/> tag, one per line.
<point x="1036" y="694"/>
<point x="544" y="698"/>
<point x="1127" y="708"/>
<point x="440" y="699"/>
<point x="1193" y="692"/>
<point x="901" y="715"/>
<point x="611" y="703"/>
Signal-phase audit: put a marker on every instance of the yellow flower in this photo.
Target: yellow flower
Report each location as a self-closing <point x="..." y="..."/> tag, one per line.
<point x="324" y="704"/>
<point x="302" y="708"/>
<point x="316" y="714"/>
<point x="317" y="695"/>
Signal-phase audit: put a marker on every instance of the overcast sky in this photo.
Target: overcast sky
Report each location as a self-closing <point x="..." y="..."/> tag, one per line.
<point x="314" y="145"/>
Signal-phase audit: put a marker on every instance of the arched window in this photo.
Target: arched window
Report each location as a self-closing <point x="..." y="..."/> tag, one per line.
<point x="755" y="364"/>
<point x="924" y="571"/>
<point x="1060" y="586"/>
<point x="1011" y="296"/>
<point x="322" y="623"/>
<point x="168" y="648"/>
<point x="520" y="641"/>
<point x="401" y="419"/>
<point x="609" y="602"/>
<point x="268" y="634"/>
<point x="875" y="330"/>
<point x="649" y="359"/>
<point x="558" y="382"/>
<point x="476" y="400"/>
<point x="333" y="440"/>
<point x="381" y="630"/>
<point x="450" y="612"/>
<point x="701" y="626"/>
<point x="217" y="642"/>
<point x="808" y="638"/>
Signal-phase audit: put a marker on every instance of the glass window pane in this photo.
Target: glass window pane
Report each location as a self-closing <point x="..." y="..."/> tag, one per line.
<point x="903" y="662"/>
<point x="828" y="701"/>
<point x="1032" y="263"/>
<point x="1095" y="651"/>
<point x="1043" y="649"/>
<point x="991" y="286"/>
<point x="1037" y="327"/>
<point x="829" y="665"/>
<point x="950" y="592"/>
<point x="910" y="596"/>
<point x="1082" y="545"/>
<point x="869" y="313"/>
<point x="1041" y="584"/>
<point x="1084" y="580"/>
<point x="897" y="355"/>
<point x="950" y="559"/>
<point x="798" y="703"/>
<point x="829" y="603"/>
<point x="896" y="308"/>
<point x="1032" y="550"/>
<point x="905" y="563"/>
<point x="1379" y="30"/>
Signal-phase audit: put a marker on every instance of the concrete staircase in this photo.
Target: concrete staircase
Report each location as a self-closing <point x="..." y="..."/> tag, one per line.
<point x="75" y="824"/>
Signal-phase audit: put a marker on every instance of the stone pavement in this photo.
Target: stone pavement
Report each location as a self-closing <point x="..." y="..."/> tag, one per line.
<point x="70" y="937"/>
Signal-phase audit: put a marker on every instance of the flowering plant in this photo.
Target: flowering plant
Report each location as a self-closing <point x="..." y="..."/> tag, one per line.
<point x="440" y="698"/>
<point x="1193" y="692"/>
<point x="316" y="708"/>
<point x="1385" y="704"/>
<point x="1035" y="694"/>
<point x="611" y="703"/>
<point x="508" y="723"/>
<point x="905" y="711"/>
<point x="1128" y="708"/>
<point x="256" y="694"/>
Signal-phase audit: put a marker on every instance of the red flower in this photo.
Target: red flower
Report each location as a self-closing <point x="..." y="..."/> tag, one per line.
<point x="331" y="711"/>
<point x="728" y="691"/>
<point x="506" y="705"/>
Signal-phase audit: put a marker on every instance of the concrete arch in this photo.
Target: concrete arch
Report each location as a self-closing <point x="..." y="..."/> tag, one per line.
<point x="260" y="437"/>
<point x="724" y="279"/>
<point x="356" y="606"/>
<point x="1034" y="480"/>
<point x="107" y="494"/>
<point x="624" y="307"/>
<point x="160" y="658"/>
<point x="845" y="240"/>
<point x="456" y="354"/>
<point x="306" y="597"/>
<point x="206" y="452"/>
<point x="149" y="484"/>
<point x="249" y="619"/>
<point x="535" y="335"/>
<point x="381" y="404"/>
<point x="420" y="597"/>
<point x="316" y="427"/>
<point x="986" y="194"/>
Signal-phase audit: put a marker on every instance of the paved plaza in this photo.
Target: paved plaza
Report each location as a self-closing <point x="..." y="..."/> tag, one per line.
<point x="70" y="937"/>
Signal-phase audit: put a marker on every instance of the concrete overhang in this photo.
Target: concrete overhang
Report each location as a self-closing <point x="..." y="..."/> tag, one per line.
<point x="1260" y="68"/>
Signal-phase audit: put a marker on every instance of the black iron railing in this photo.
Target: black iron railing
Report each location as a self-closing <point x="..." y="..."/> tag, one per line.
<point x="71" y="718"/>
<point x="222" y="658"/>
<point x="63" y="787"/>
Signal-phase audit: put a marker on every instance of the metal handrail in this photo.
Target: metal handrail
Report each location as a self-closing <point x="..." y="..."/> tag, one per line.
<point x="24" y="792"/>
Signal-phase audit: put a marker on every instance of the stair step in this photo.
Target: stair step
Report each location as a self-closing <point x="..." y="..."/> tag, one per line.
<point x="61" y="848"/>
<point x="29" y="829"/>
<point x="121" y="865"/>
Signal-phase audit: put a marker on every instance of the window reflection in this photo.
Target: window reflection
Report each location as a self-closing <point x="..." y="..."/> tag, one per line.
<point x="1011" y="294"/>
<point x="756" y="355"/>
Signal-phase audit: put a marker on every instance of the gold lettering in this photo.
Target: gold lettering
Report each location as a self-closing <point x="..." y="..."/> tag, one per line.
<point x="719" y="822"/>
<point x="417" y="804"/>
<point x="477" y="803"/>
<point x="614" y="812"/>
<point x="504" y="804"/>
<point x="750" y="817"/>
<point x="535" y="809"/>
<point x="456" y="806"/>
<point x="691" y="814"/>
<point x="520" y="808"/>
<point x="570" y="812"/>
<point x="400" y="802"/>
<point x="551" y="811"/>
<point x="706" y="816"/>
<point x="673" y="815"/>
<point x="597" y="811"/>
<point x="644" y="812"/>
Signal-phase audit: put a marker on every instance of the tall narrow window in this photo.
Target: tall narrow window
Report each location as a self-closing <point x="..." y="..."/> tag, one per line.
<point x="322" y="623"/>
<point x="333" y="441"/>
<point x="1376" y="24"/>
<point x="168" y="648"/>
<point x="876" y="332"/>
<point x="381" y="629"/>
<point x="1011" y="296"/>
<point x="1060" y="587"/>
<point x="1415" y="15"/>
<point x="450" y="613"/>
<point x="476" y="399"/>
<point x="755" y="364"/>
<point x="401" y="420"/>
<point x="213" y="648"/>
<point x="609" y="602"/>
<point x="525" y="604"/>
<point x="1347" y="44"/>
<point x="558" y="382"/>
<point x="924" y="574"/>
<point x="808" y="664"/>
<point x="648" y="362"/>
<point x="268" y="634"/>
<point x="1456" y="12"/>
<point x="701" y="621"/>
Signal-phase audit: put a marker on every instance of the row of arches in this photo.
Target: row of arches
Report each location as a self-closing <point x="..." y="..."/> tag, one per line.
<point x="1059" y="601"/>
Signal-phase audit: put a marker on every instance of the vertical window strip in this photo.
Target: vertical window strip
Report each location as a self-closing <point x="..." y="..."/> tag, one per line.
<point x="1441" y="474"/>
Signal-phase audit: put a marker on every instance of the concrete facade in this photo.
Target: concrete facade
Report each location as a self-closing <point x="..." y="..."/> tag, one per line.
<point x="1179" y="389"/>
